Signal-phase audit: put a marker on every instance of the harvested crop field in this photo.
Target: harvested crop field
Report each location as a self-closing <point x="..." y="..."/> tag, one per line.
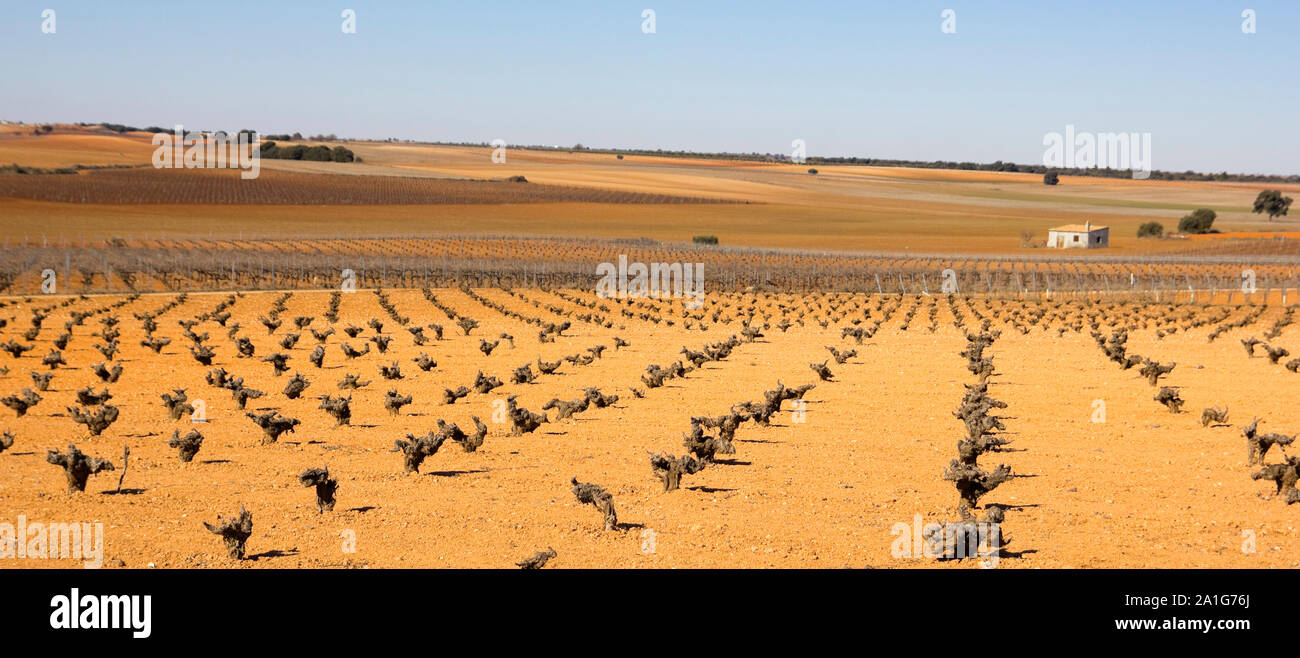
<point x="410" y="188"/>
<point x="817" y="483"/>
<point x="272" y="187"/>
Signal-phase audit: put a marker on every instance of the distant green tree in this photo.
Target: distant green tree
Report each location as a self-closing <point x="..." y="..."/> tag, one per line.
<point x="1051" y="178"/>
<point x="1273" y="203"/>
<point x="1199" y="221"/>
<point x="1151" y="230"/>
<point x="812" y="171"/>
<point x="342" y="154"/>
<point x="705" y="239"/>
<point x="318" y="154"/>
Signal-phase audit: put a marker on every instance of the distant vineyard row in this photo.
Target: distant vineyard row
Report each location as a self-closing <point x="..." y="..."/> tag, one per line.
<point x="218" y="186"/>
<point x="180" y="265"/>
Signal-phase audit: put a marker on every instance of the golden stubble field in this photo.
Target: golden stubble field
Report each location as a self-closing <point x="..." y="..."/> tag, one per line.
<point x="1146" y="488"/>
<point x="842" y="207"/>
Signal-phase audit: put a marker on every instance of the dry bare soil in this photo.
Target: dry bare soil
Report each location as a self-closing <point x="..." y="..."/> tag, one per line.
<point x="1144" y="488"/>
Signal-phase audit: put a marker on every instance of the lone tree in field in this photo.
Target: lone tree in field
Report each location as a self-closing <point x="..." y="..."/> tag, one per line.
<point x="77" y="466"/>
<point x="186" y="446"/>
<point x="1199" y="221"/>
<point x="1273" y="203"/>
<point x="596" y="496"/>
<point x="325" y="487"/>
<point x="1051" y="178"/>
<point x="1151" y="230"/>
<point x="234" y="532"/>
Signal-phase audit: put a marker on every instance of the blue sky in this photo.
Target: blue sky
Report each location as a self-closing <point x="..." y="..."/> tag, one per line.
<point x="876" y="79"/>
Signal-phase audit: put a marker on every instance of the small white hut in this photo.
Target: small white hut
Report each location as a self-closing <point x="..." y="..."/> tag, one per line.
<point x="1079" y="236"/>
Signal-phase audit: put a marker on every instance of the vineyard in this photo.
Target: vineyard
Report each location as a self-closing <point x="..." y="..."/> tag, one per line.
<point x="408" y="362"/>
<point x="544" y="426"/>
<point x="140" y="265"/>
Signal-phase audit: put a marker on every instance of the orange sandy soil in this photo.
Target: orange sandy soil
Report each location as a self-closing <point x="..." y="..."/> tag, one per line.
<point x="1144" y="489"/>
<point x="843" y="207"/>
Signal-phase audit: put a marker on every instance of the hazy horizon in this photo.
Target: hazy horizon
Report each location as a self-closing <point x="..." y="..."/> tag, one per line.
<point x="878" y="80"/>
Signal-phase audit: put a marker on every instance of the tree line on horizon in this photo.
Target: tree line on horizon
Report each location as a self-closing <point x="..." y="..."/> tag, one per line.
<point x="997" y="165"/>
